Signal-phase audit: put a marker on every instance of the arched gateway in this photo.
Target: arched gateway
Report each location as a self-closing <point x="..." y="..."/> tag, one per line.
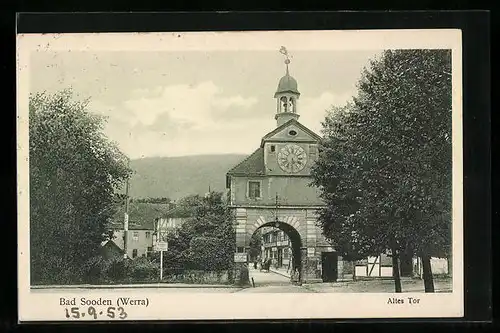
<point x="292" y="229"/>
<point x="280" y="169"/>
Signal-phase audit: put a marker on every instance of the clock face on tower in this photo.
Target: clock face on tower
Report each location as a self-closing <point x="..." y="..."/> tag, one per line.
<point x="292" y="158"/>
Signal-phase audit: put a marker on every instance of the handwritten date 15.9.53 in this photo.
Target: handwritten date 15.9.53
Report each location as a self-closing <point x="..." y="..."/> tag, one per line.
<point x="91" y="312"/>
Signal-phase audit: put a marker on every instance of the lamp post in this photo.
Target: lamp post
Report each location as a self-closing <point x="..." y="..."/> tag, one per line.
<point x="276" y="220"/>
<point x="125" y="220"/>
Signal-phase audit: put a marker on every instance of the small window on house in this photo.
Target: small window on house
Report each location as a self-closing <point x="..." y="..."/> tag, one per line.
<point x="134" y="253"/>
<point x="135" y="236"/>
<point x="240" y="250"/>
<point x="253" y="189"/>
<point x="292" y="132"/>
<point x="273" y="148"/>
<point x="148" y="234"/>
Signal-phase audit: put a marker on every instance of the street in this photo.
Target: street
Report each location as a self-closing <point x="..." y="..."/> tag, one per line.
<point x="270" y="282"/>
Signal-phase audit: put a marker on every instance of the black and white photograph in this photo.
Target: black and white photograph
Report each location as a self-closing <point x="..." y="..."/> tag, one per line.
<point x="251" y="175"/>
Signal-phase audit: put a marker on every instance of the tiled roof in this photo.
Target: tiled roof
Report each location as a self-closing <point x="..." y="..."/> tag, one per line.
<point x="179" y="212"/>
<point x="111" y="244"/>
<point x="141" y="215"/>
<point x="252" y="165"/>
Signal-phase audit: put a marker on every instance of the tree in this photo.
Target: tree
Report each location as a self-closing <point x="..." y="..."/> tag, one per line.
<point x="74" y="171"/>
<point x="385" y="163"/>
<point x="208" y="253"/>
<point x="165" y="201"/>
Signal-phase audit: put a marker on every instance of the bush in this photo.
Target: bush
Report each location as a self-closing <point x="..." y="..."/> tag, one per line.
<point x="95" y="269"/>
<point x="117" y="270"/>
<point x="54" y="270"/>
<point x="208" y="253"/>
<point x="244" y="276"/>
<point x="141" y="269"/>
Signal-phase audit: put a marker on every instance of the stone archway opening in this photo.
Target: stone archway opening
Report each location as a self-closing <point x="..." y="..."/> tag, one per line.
<point x="295" y="243"/>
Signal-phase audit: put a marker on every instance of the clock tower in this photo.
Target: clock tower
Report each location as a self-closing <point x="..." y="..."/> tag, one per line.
<point x="291" y="148"/>
<point x="272" y="188"/>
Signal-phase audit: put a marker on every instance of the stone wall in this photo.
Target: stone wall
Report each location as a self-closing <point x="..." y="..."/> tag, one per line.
<point x="198" y="277"/>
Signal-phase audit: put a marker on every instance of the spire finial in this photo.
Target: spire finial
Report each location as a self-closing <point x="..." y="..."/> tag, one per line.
<point x="284" y="51"/>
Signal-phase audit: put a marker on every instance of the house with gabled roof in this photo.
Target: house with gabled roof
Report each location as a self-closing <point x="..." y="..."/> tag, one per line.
<point x="141" y="223"/>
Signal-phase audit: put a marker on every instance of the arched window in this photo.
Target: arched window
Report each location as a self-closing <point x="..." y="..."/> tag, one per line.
<point x="284" y="104"/>
<point x="291" y="105"/>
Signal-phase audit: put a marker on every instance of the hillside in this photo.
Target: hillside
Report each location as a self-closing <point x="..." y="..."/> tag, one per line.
<point x="176" y="177"/>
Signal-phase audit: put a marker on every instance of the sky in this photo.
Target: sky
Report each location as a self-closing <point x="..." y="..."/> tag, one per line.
<point x="177" y="103"/>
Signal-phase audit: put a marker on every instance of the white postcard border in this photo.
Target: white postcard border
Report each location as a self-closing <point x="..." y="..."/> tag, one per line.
<point x="43" y="305"/>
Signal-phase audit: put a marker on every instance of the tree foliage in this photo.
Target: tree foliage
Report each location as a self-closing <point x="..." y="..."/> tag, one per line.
<point x="152" y="200"/>
<point x="74" y="171"/>
<point x="385" y="162"/>
<point x="206" y="239"/>
<point x="255" y="245"/>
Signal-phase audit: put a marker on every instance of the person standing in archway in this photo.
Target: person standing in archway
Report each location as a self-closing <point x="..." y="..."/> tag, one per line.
<point x="295" y="277"/>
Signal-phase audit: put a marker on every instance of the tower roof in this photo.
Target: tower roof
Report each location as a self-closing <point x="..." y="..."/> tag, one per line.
<point x="287" y="84"/>
<point x="290" y="122"/>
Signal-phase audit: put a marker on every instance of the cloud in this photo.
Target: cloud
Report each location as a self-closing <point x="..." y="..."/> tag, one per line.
<point x="234" y="101"/>
<point x="180" y="120"/>
<point x="186" y="120"/>
<point x="198" y="106"/>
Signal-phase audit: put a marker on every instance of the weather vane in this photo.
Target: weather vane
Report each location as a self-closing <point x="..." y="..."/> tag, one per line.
<point x="284" y="51"/>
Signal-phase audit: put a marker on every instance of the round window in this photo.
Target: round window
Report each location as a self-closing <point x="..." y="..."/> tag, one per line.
<point x="292" y="132"/>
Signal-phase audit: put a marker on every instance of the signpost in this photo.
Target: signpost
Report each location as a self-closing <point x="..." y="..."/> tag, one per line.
<point x="161" y="246"/>
<point x="240" y="257"/>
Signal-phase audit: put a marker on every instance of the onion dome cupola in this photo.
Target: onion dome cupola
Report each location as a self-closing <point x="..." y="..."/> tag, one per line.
<point x="286" y="95"/>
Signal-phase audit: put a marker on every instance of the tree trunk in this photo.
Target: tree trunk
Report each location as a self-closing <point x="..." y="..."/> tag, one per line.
<point x="395" y="272"/>
<point x="427" y="272"/>
<point x="406" y="264"/>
